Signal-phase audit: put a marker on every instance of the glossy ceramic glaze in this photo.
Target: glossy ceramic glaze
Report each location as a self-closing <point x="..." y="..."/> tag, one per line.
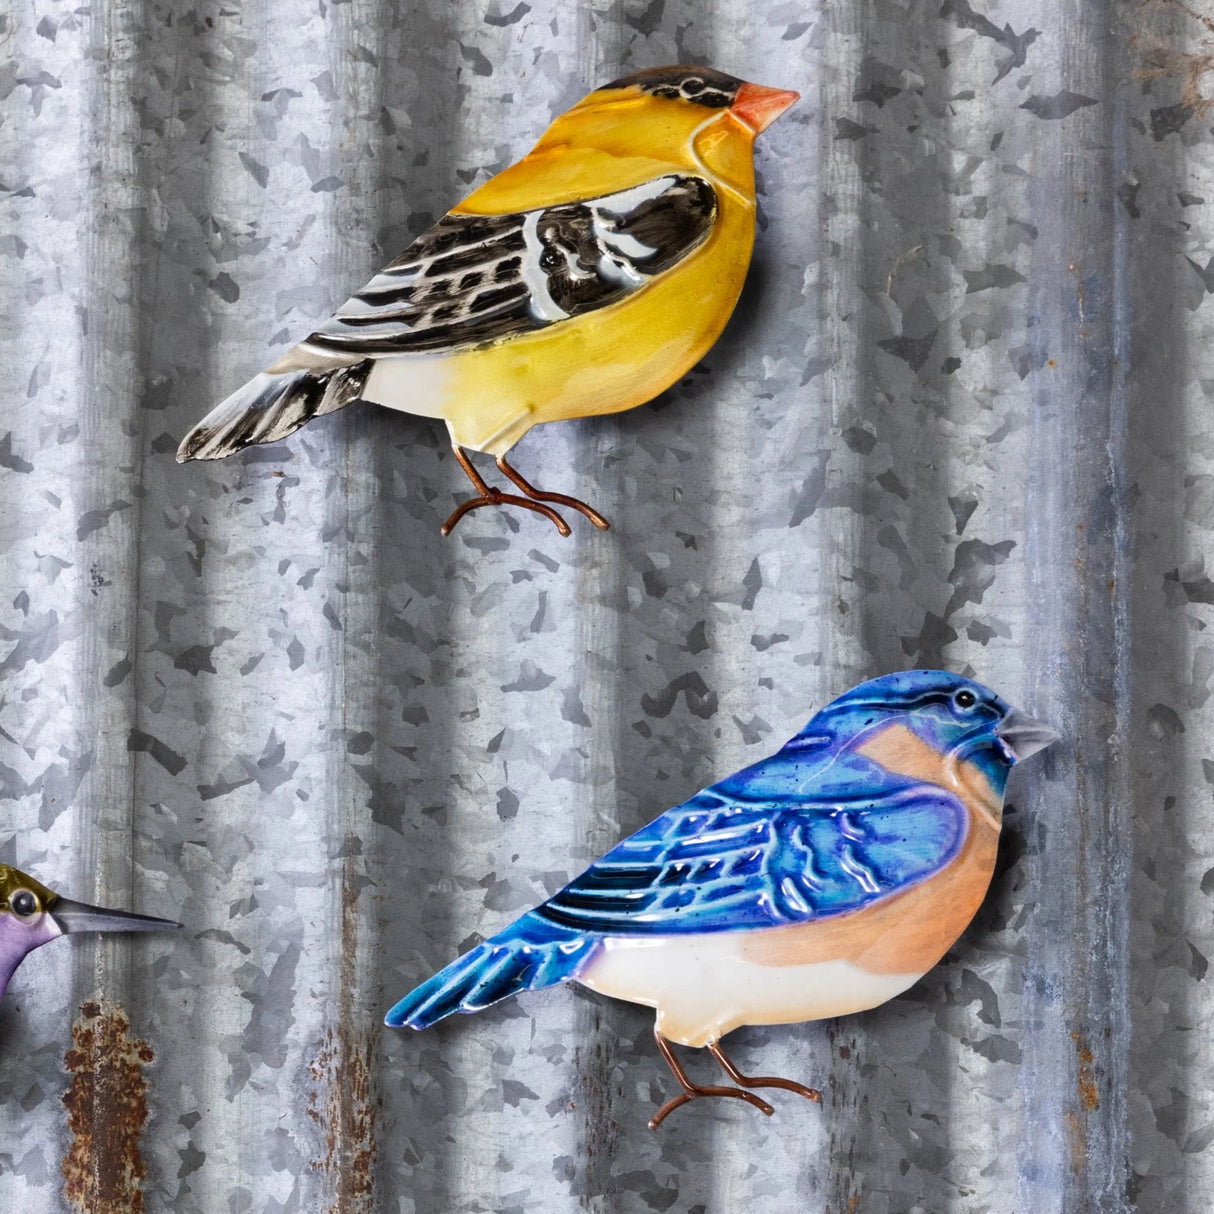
<point x="584" y="279"/>
<point x="821" y="881"/>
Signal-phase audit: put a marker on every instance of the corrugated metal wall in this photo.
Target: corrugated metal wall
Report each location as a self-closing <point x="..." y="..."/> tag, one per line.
<point x="961" y="418"/>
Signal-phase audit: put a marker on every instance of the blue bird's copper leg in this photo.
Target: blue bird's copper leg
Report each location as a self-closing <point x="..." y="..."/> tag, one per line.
<point x="561" y="499"/>
<point x="692" y="1091"/>
<point x="761" y="1081"/>
<point x="494" y="497"/>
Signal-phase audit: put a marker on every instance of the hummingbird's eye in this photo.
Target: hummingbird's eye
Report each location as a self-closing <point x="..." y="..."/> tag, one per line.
<point x="23" y="904"/>
<point x="965" y="699"/>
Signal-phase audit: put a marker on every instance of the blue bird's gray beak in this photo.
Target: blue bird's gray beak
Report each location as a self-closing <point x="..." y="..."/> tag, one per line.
<point x="80" y="917"/>
<point x="1024" y="735"/>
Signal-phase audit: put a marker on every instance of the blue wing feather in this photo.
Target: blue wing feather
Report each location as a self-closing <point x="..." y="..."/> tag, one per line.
<point x="803" y="835"/>
<point x="814" y="831"/>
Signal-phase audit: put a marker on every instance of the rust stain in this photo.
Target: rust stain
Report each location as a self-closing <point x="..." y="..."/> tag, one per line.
<point x="596" y="1095"/>
<point x="1089" y="1094"/>
<point x="107" y="1110"/>
<point x="343" y="1069"/>
<point x="1154" y="42"/>
<point x="1089" y="1101"/>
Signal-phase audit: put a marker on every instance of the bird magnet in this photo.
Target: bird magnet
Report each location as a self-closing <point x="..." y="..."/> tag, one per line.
<point x="821" y="881"/>
<point x="32" y="915"/>
<point x="584" y="279"/>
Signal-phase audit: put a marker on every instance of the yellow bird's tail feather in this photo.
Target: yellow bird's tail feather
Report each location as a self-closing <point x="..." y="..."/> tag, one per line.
<point x="271" y="406"/>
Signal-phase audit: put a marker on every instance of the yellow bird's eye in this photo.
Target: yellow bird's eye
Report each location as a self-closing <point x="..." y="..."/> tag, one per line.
<point x="23" y="904"/>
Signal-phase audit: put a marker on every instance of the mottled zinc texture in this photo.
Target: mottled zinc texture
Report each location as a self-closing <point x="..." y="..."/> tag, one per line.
<point x="962" y="418"/>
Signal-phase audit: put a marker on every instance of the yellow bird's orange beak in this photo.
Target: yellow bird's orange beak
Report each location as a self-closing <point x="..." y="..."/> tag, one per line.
<point x="758" y="106"/>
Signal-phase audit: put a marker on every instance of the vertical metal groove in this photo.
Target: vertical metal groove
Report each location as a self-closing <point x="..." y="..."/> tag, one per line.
<point x="1071" y="997"/>
<point x="102" y="1170"/>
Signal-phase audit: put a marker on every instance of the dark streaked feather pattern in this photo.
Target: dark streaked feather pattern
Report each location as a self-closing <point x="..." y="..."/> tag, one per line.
<point x="270" y="407"/>
<point x="700" y="85"/>
<point x="469" y="281"/>
<point x="476" y="279"/>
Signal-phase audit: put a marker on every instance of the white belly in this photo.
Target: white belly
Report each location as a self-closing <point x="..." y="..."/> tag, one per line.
<point x="702" y="986"/>
<point x="413" y="384"/>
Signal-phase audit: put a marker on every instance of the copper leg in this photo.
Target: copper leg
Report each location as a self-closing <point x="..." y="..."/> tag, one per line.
<point x="561" y="499"/>
<point x="761" y="1081"/>
<point x="494" y="497"/>
<point x="692" y="1091"/>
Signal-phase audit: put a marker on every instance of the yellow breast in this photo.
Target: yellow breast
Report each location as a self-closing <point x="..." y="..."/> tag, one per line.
<point x="623" y="355"/>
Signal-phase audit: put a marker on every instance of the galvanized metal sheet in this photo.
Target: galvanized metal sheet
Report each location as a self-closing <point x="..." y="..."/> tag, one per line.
<point x="961" y="418"/>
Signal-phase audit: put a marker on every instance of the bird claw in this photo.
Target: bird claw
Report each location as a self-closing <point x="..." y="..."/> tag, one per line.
<point x="488" y="496"/>
<point x="561" y="499"/>
<point x="495" y="498"/>
<point x="692" y="1091"/>
<point x="761" y="1081"/>
<point x="695" y="1092"/>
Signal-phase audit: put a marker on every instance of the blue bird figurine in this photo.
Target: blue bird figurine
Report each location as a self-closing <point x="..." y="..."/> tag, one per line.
<point x="821" y="881"/>
<point x="32" y="915"/>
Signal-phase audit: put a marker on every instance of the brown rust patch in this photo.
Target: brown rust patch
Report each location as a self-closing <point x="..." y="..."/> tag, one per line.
<point x="1159" y="25"/>
<point x="597" y="1095"/>
<point x="1089" y="1101"/>
<point x="1089" y="1094"/>
<point x="342" y="1070"/>
<point x="107" y="1110"/>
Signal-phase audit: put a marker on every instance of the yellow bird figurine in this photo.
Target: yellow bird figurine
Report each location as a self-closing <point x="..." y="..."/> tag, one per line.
<point x="584" y="279"/>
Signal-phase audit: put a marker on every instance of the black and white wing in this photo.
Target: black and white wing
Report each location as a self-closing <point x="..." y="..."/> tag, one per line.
<point x="470" y="281"/>
<point x="476" y="279"/>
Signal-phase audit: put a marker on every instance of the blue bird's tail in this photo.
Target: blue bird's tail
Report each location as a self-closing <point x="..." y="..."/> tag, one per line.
<point x="270" y="407"/>
<point x="531" y="953"/>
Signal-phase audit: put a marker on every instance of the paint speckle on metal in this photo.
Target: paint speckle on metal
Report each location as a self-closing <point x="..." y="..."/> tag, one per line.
<point x="107" y="1113"/>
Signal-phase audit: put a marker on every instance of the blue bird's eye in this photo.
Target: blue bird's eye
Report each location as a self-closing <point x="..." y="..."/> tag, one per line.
<point x="23" y="904"/>
<point x="965" y="699"/>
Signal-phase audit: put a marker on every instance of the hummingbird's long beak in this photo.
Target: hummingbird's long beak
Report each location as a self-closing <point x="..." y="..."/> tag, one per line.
<point x="80" y="917"/>
<point x="1024" y="735"/>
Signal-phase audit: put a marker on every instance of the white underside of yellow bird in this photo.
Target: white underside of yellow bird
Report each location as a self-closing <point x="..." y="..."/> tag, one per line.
<point x="704" y="985"/>
<point x="415" y="383"/>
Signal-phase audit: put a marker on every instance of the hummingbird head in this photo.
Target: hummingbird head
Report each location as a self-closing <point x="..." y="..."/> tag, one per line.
<point x="32" y="915"/>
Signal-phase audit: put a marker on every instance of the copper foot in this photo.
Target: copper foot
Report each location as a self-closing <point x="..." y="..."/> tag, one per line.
<point x="495" y="497"/>
<point x="761" y="1081"/>
<point x="561" y="499"/>
<point x="693" y="1091"/>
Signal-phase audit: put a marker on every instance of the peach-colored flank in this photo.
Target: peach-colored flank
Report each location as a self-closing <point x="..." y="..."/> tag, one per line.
<point x="910" y="931"/>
